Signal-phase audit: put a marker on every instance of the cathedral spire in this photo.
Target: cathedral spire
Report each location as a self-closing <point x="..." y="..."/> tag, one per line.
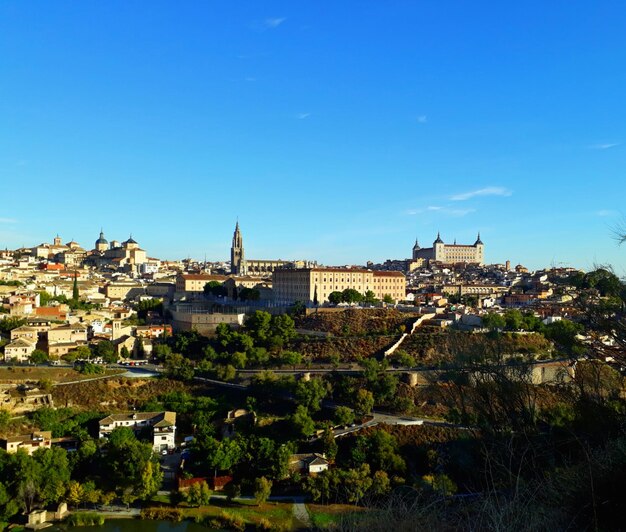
<point x="237" y="257"/>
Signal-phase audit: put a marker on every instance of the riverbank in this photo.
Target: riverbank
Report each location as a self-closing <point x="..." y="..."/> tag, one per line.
<point x="286" y="514"/>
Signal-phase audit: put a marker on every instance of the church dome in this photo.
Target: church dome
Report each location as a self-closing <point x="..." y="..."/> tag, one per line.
<point x="102" y="240"/>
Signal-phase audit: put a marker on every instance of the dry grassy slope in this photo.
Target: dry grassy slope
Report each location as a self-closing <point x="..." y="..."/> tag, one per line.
<point x="357" y="322"/>
<point x="26" y="374"/>
<point x="433" y="345"/>
<point x="115" y="393"/>
<point x="348" y="349"/>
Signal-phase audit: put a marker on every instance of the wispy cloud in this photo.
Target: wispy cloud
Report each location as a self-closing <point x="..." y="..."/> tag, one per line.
<point x="273" y="22"/>
<point x="303" y="116"/>
<point x="606" y="212"/>
<point x="8" y="221"/>
<point x="422" y="119"/>
<point x="604" y="146"/>
<point x="445" y="211"/>
<point x="487" y="191"/>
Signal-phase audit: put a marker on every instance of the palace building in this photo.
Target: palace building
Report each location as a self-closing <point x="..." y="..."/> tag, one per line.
<point x="316" y="284"/>
<point x="451" y="253"/>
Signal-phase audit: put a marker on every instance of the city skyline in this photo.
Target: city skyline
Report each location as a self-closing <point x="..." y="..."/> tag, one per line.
<point x="334" y="134"/>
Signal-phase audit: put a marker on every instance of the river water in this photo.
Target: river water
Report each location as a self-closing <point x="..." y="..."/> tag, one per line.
<point x="137" y="525"/>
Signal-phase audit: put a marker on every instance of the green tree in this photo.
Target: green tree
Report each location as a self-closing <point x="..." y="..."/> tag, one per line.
<point x="388" y="299"/>
<point x="215" y="288"/>
<point x="8" y="324"/>
<point x="370" y="298"/>
<point x="302" y="422"/>
<point x="335" y="297"/>
<point x="75" y="493"/>
<point x="232" y="491"/>
<point x="8" y="505"/>
<point x="161" y="351"/>
<point x="75" y="294"/>
<point x="355" y="483"/>
<point x="380" y="484"/>
<point x="26" y="480"/>
<point x="5" y="419"/>
<point x="82" y="352"/>
<point x="402" y="358"/>
<point x="106" y="350"/>
<point x="226" y="372"/>
<point x="224" y="455"/>
<point x="239" y="360"/>
<point x="283" y="327"/>
<point x="297" y="309"/>
<point x="381" y="451"/>
<point x="258" y="356"/>
<point x="258" y="325"/>
<point x="329" y="444"/>
<point x="493" y="321"/>
<point x="126" y="461"/>
<point x="199" y="494"/>
<point x="311" y="393"/>
<point x="344" y="415"/>
<point x="605" y="281"/>
<point x="55" y="473"/>
<point x="513" y="319"/>
<point x="350" y="295"/>
<point x="151" y="479"/>
<point x="262" y="490"/>
<point x="178" y="367"/>
<point x="364" y="401"/>
<point x="440" y="483"/>
<point x="291" y="358"/>
<point x="149" y="305"/>
<point x="39" y="357"/>
<point x="563" y="333"/>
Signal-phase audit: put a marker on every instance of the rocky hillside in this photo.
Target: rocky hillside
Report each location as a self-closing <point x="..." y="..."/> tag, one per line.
<point x="358" y="322"/>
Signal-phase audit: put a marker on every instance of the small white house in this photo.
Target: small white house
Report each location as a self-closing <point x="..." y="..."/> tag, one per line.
<point x="163" y="426"/>
<point x="308" y="464"/>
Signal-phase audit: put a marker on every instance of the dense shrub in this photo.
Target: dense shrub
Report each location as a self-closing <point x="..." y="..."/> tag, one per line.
<point x="162" y="513"/>
<point x="85" y="519"/>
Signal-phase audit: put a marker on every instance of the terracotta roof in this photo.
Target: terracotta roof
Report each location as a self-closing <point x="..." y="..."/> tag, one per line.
<point x="388" y="274"/>
<point x="203" y="277"/>
<point x="334" y="270"/>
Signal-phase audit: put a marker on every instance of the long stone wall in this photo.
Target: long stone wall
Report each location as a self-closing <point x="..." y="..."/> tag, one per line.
<point x="204" y="323"/>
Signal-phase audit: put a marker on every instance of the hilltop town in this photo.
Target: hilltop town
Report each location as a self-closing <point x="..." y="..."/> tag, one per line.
<point x="254" y="378"/>
<point x="64" y="297"/>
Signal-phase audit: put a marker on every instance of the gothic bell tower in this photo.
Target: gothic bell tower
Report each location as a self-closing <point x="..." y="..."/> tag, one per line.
<point x="237" y="257"/>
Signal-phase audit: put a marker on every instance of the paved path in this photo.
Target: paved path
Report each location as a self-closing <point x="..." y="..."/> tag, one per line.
<point x="301" y="513"/>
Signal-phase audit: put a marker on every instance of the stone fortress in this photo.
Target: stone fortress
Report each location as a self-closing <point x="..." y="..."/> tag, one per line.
<point x="451" y="253"/>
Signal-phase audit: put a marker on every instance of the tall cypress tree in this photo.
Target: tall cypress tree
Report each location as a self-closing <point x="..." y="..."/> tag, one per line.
<point x="75" y="293"/>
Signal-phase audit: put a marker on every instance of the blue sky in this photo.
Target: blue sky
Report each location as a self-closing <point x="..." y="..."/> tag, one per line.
<point x="336" y="131"/>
